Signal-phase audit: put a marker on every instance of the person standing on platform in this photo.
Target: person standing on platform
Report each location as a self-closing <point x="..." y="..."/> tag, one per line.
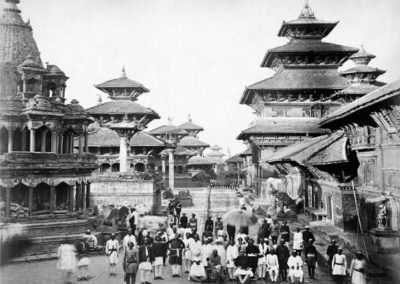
<point x="171" y="212"/>
<point x="193" y="222"/>
<point x="187" y="253"/>
<point x="274" y="231"/>
<point x="146" y="257"/>
<point x="195" y="248"/>
<point x="285" y="232"/>
<point x="283" y="254"/>
<point x="331" y="251"/>
<point x="232" y="253"/>
<point x="231" y="230"/>
<point x="358" y="269"/>
<point x="339" y="266"/>
<point x="130" y="263"/>
<point x="133" y="219"/>
<point x="307" y="235"/>
<point x="112" y="249"/>
<point x="209" y="225"/>
<point x="176" y="247"/>
<point x="219" y="226"/>
<point x="184" y="221"/>
<point x="311" y="259"/>
<point x="160" y="252"/>
<point x="178" y="209"/>
<point x="298" y="241"/>
<point x="129" y="238"/>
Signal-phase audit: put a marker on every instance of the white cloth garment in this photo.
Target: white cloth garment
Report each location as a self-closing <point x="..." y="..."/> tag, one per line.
<point x="339" y="264"/>
<point x="128" y="239"/>
<point x="232" y="253"/>
<point x="195" y="248"/>
<point x="297" y="240"/>
<point x="206" y="251"/>
<point x="112" y="254"/>
<point x="66" y="257"/>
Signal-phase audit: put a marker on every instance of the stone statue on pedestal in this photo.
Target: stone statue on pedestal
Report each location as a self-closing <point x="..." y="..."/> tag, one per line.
<point x="382" y="216"/>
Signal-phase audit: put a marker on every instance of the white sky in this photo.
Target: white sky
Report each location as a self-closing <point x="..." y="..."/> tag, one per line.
<point x="195" y="56"/>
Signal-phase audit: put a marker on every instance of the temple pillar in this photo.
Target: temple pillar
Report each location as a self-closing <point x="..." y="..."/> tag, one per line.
<point x="71" y="197"/>
<point x="78" y="199"/>
<point x="61" y="144"/>
<point x="81" y="142"/>
<point x="84" y="198"/>
<point x="86" y="143"/>
<point x="171" y="175"/>
<point x="88" y="195"/>
<point x="10" y="140"/>
<point x="163" y="166"/>
<point x="32" y="140"/>
<point x="52" y="199"/>
<point x="54" y="138"/>
<point x="23" y="142"/>
<point x="123" y="154"/>
<point x="71" y="143"/>
<point x="30" y="200"/>
<point x="43" y="141"/>
<point x="8" y="202"/>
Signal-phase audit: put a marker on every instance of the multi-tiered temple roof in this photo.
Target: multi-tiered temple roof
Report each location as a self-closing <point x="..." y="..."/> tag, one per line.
<point x="289" y="103"/>
<point x="362" y="78"/>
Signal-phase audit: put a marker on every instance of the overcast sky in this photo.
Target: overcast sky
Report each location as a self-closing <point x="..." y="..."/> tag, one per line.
<point x="195" y="56"/>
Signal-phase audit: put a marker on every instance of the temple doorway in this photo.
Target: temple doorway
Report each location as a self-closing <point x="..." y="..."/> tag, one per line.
<point x="104" y="168"/>
<point x="3" y="140"/>
<point x="139" y="167"/>
<point x="20" y="195"/>
<point x="62" y="196"/>
<point x="115" y="168"/>
<point x="41" y="197"/>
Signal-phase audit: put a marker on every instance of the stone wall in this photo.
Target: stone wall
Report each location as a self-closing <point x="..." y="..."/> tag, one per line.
<point x="138" y="193"/>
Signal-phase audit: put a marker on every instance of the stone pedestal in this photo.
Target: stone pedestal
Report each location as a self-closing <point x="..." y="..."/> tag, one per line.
<point x="386" y="241"/>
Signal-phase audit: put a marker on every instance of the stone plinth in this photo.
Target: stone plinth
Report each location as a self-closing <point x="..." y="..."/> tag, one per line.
<point x="386" y="241"/>
<point x="123" y="191"/>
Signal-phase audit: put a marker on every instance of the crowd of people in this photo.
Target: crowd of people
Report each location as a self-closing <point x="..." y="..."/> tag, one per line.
<point x="216" y="255"/>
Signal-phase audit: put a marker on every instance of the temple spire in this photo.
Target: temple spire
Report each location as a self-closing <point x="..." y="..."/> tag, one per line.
<point x="189" y="118"/>
<point x="307" y="12"/>
<point x="123" y="73"/>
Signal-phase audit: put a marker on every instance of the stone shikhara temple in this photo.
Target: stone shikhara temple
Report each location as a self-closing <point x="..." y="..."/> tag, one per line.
<point x="333" y="137"/>
<point x="44" y="182"/>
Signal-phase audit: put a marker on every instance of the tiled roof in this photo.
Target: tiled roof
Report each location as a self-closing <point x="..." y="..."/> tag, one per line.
<point x="190" y="141"/>
<point x="280" y="129"/>
<point x="363" y="69"/>
<point x="105" y="137"/>
<point x="121" y="107"/>
<point x="359" y="89"/>
<point x="306" y="46"/>
<point x="234" y="160"/>
<point x="199" y="160"/>
<point x="143" y="139"/>
<point x="333" y="154"/>
<point x="168" y="129"/>
<point x="182" y="151"/>
<point x="190" y="126"/>
<point x="298" y="80"/>
<point x="215" y="148"/>
<point x="247" y="152"/>
<point x="390" y="91"/>
<point x="303" y="151"/>
<point x="122" y="82"/>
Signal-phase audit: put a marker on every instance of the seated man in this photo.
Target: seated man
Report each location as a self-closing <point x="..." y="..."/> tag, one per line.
<point x="197" y="272"/>
<point x="272" y="264"/>
<point x="243" y="271"/>
<point x="214" y="264"/>
<point x="91" y="241"/>
<point x="295" y="264"/>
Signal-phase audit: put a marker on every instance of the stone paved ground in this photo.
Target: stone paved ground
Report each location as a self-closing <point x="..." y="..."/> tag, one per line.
<point x="45" y="272"/>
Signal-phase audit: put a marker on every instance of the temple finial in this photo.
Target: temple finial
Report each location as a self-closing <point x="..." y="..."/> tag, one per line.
<point x="169" y="120"/>
<point x="362" y="49"/>
<point x="99" y="99"/>
<point x="123" y="75"/>
<point x="189" y="118"/>
<point x="307" y="12"/>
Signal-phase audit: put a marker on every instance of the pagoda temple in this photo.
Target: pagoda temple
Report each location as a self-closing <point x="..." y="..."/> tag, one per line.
<point x="45" y="185"/>
<point x="122" y="114"/>
<point x="289" y="104"/>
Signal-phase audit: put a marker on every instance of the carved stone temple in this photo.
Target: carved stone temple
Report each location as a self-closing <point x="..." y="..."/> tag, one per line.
<point x="44" y="183"/>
